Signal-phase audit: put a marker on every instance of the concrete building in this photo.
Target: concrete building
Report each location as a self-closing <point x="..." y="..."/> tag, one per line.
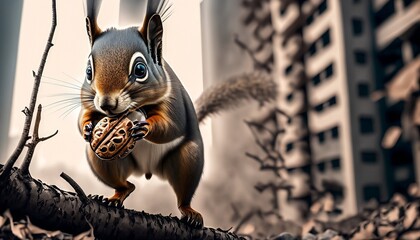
<point x="289" y="73"/>
<point x="397" y="44"/>
<point x="329" y="57"/>
<point x="10" y="15"/>
<point x="324" y="82"/>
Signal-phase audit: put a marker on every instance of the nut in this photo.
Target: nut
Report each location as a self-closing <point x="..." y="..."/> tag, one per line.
<point x="111" y="138"/>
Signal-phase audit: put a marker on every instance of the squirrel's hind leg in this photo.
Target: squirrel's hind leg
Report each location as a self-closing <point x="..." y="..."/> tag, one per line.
<point x="113" y="174"/>
<point x="183" y="168"/>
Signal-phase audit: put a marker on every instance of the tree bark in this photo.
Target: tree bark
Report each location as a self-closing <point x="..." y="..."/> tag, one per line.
<point x="54" y="209"/>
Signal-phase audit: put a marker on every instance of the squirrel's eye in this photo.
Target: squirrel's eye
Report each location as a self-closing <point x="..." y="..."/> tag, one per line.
<point x="140" y="71"/>
<point x="89" y="73"/>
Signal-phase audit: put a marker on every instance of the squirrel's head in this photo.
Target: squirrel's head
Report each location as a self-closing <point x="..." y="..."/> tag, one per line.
<point x="125" y="67"/>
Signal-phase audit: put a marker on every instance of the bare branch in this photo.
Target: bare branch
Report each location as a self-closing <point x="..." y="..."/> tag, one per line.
<point x="80" y="193"/>
<point x="35" y="140"/>
<point x="50" y="208"/>
<point x="257" y="64"/>
<point x="28" y="111"/>
<point x="32" y="145"/>
<point x="48" y="137"/>
<point x="244" y="220"/>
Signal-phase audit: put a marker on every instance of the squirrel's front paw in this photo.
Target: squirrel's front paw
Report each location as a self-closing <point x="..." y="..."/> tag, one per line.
<point x="140" y="130"/>
<point x="87" y="131"/>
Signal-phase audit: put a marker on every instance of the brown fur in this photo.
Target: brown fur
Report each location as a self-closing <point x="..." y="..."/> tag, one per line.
<point x="230" y="94"/>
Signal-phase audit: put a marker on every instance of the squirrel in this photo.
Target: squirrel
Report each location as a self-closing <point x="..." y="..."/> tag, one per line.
<point x="127" y="73"/>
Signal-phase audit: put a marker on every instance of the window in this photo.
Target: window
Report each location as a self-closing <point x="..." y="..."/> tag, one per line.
<point x="360" y="56"/>
<point x="368" y="157"/>
<point x="312" y="50"/>
<point x="316" y="80"/>
<point x="325" y="38"/>
<point x="336" y="164"/>
<point x="334" y="132"/>
<point x="357" y="26"/>
<point x="384" y="13"/>
<point x="415" y="48"/>
<point x="329" y="71"/>
<point x="318" y="12"/>
<point x="288" y="70"/>
<point x="283" y="11"/>
<point x="321" y="137"/>
<point x="322" y="7"/>
<point x="319" y="107"/>
<point x="289" y="147"/>
<point x="321" y="166"/>
<point x="309" y="20"/>
<point x="407" y="2"/>
<point x="325" y="74"/>
<point x="366" y="125"/>
<point x="391" y="59"/>
<point x="332" y="101"/>
<point x="323" y="41"/>
<point x="371" y="191"/>
<point x="363" y="90"/>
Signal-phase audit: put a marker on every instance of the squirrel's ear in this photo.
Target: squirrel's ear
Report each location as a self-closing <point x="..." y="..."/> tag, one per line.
<point x="154" y="38"/>
<point x="92" y="9"/>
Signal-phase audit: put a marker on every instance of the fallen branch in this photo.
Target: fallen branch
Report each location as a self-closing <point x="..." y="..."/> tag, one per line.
<point x="52" y="208"/>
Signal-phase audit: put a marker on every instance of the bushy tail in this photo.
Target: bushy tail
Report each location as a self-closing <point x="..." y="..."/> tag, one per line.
<point x="230" y="94"/>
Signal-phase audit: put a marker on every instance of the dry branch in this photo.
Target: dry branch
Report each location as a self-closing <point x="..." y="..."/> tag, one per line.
<point x="29" y="111"/>
<point x="35" y="140"/>
<point x="52" y="208"/>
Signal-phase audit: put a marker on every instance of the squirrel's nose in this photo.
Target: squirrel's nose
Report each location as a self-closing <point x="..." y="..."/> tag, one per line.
<point x="106" y="107"/>
<point x="107" y="104"/>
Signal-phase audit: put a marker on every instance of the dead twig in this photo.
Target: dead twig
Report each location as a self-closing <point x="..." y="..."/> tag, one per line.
<point x="35" y="140"/>
<point x="29" y="111"/>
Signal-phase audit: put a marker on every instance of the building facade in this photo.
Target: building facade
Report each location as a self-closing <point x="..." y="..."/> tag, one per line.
<point x="397" y="47"/>
<point x="342" y="51"/>
<point x="330" y="57"/>
<point x="10" y="17"/>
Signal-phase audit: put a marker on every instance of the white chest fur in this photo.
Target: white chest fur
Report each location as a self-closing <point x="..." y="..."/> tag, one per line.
<point x="148" y="155"/>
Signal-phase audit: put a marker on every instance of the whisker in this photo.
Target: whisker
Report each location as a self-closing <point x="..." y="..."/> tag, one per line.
<point x="69" y="101"/>
<point x="62" y="85"/>
<point x="71" y="77"/>
<point x="65" y="107"/>
<point x="65" y="94"/>
<point x="60" y="107"/>
<point x="67" y="112"/>
<point x="61" y="81"/>
<point x="68" y="85"/>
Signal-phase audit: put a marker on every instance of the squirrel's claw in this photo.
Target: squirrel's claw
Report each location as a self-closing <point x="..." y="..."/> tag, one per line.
<point x="87" y="131"/>
<point x="140" y="130"/>
<point x="115" y="203"/>
<point x="192" y="221"/>
<point x="191" y="217"/>
<point x="110" y="203"/>
<point x="95" y="197"/>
